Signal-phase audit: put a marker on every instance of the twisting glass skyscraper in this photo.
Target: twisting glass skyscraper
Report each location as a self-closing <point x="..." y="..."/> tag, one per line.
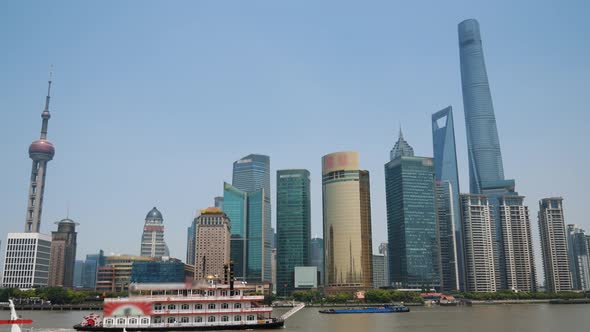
<point x="485" y="158"/>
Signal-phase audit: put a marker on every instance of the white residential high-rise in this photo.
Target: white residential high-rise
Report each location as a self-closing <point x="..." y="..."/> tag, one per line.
<point x="554" y="245"/>
<point x="26" y="264"/>
<point x="152" y="240"/>
<point x="480" y="270"/>
<point x="517" y="242"/>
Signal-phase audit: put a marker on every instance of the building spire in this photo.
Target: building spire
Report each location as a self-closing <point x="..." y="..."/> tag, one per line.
<point x="401" y="147"/>
<point x="45" y="115"/>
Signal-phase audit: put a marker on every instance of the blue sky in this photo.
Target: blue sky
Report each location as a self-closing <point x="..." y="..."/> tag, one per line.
<point x="153" y="101"/>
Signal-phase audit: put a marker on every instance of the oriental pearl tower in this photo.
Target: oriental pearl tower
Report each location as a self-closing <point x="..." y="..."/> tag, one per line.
<point x="41" y="151"/>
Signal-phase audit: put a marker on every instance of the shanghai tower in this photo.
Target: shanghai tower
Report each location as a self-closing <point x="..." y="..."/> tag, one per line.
<point x="485" y="158"/>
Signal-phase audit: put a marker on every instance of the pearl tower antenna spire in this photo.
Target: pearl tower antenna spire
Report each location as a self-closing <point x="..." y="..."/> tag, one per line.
<point x="41" y="152"/>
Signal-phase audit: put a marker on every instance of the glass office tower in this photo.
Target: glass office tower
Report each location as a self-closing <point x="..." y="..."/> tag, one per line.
<point x="411" y="220"/>
<point x="251" y="175"/>
<point x="445" y="169"/>
<point x="293" y="225"/>
<point x="447" y="234"/>
<point x="235" y="204"/>
<point x="347" y="222"/>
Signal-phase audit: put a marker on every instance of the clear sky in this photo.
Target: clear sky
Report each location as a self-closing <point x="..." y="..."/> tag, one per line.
<point x="153" y="101"/>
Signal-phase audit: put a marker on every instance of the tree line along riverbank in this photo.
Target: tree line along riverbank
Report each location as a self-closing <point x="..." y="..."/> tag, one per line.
<point x="57" y="298"/>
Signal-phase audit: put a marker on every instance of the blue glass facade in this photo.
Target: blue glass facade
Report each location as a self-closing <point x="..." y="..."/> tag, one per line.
<point x="157" y="272"/>
<point x="485" y="158"/>
<point x="412" y="222"/>
<point x="445" y="169"/>
<point x="293" y="225"/>
<point x="251" y="176"/>
<point x="235" y="203"/>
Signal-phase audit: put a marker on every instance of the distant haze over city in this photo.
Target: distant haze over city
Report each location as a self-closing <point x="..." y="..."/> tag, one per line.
<point x="152" y="104"/>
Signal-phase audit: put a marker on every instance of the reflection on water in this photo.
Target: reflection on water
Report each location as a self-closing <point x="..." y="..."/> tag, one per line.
<point x="483" y="318"/>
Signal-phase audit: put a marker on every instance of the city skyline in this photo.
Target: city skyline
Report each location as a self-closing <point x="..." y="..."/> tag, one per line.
<point x="95" y="210"/>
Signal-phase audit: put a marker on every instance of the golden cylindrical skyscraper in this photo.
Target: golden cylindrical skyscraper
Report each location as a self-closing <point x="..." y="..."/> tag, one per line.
<point x="347" y="222"/>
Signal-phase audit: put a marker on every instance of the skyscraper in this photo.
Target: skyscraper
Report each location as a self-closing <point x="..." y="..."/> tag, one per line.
<point x="152" y="240"/>
<point x="554" y="245"/>
<point x="445" y="169"/>
<point x="41" y="151"/>
<point x="317" y="256"/>
<point x="579" y="257"/>
<point x="235" y="203"/>
<point x="485" y="157"/>
<point x="90" y="269"/>
<point x="251" y="175"/>
<point x="212" y="243"/>
<point x="63" y="254"/>
<point x="518" y="252"/>
<point x="293" y="224"/>
<point x="445" y="211"/>
<point x="347" y="222"/>
<point x="411" y="219"/>
<point x="190" y="242"/>
<point x="478" y="234"/>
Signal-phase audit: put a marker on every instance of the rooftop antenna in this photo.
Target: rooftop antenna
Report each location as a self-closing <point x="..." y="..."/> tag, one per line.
<point x="45" y="115"/>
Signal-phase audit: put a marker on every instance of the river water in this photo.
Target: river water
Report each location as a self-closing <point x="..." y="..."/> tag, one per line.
<point x="479" y="318"/>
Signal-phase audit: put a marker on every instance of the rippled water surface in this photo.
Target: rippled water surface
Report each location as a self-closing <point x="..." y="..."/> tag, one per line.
<point x="482" y="318"/>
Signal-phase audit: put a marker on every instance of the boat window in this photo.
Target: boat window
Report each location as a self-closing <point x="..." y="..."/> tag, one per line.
<point x="223" y="293"/>
<point x="211" y="293"/>
<point x="158" y="306"/>
<point x="171" y="320"/>
<point x="237" y="305"/>
<point x="250" y="317"/>
<point x="199" y="319"/>
<point x="121" y="321"/>
<point x="211" y="305"/>
<point x="225" y="318"/>
<point x="157" y="320"/>
<point x="184" y="319"/>
<point x="211" y="319"/>
<point x="172" y="307"/>
<point x="224" y="306"/>
<point x="198" y="306"/>
<point x="237" y="318"/>
<point x="132" y="321"/>
<point x="185" y="307"/>
<point x="145" y="321"/>
<point x="108" y="321"/>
